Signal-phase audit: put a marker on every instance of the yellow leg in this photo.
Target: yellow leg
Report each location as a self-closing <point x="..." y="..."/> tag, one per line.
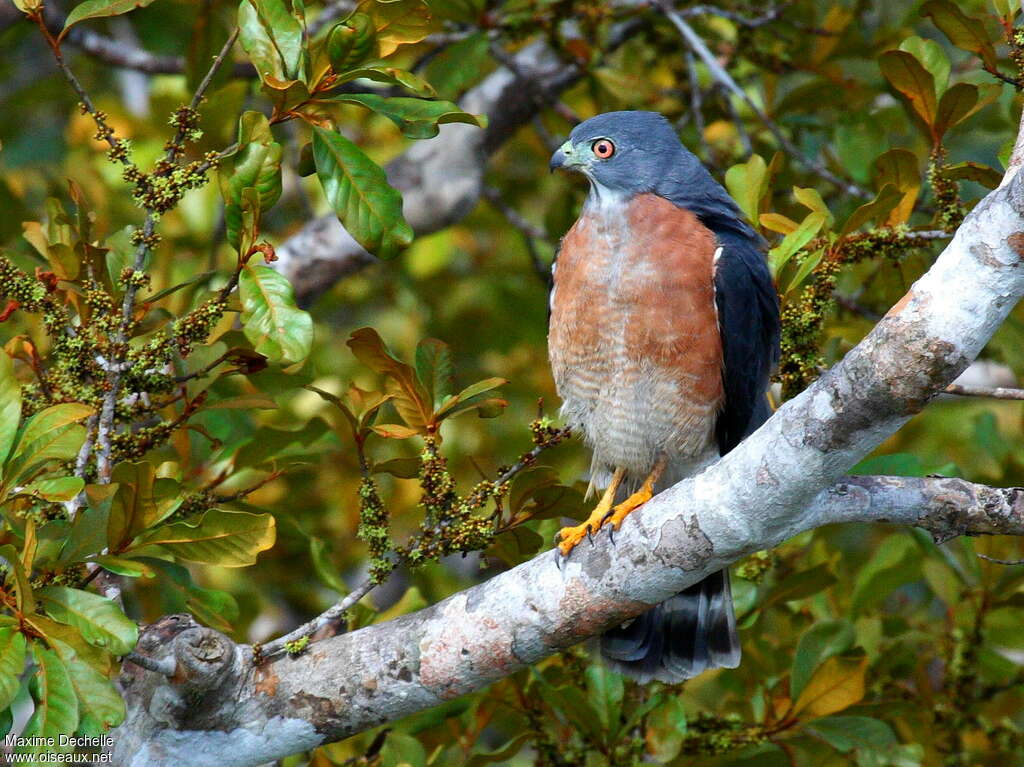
<point x="637" y="499"/>
<point x="569" y="537"/>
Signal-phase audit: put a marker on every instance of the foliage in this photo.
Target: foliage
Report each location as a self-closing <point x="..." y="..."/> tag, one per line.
<point x="169" y="414"/>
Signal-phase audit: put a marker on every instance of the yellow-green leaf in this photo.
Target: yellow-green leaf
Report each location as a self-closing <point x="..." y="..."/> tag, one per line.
<point x="12" y="663"/>
<point x="56" y="711"/>
<point x="22" y="589"/>
<point x="10" y="405"/>
<point x="392" y="76"/>
<point x="278" y="329"/>
<point x="747" y="183"/>
<point x="272" y="36"/>
<point x="100" y="706"/>
<point x="779" y="256"/>
<point x="101" y="621"/>
<point x="416" y="118"/>
<point x="226" y="538"/>
<point x="837" y="684"/>
<point x="95" y="9"/>
<point x="255" y="164"/>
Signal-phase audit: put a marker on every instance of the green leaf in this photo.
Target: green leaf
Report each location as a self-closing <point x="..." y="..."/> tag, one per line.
<point x="887" y="199"/>
<point x="401" y="750"/>
<point x="134" y="507"/>
<point x="56" y="711"/>
<point x="359" y="193"/>
<point x="410" y="398"/>
<point x="95" y="9"/>
<point x="49" y="435"/>
<point x="846" y="733"/>
<point x="272" y="36"/>
<point x="748" y="183"/>
<point x="821" y="641"/>
<point x="973" y="171"/>
<point x="435" y="368"/>
<point x="965" y="32"/>
<point x="22" y="589"/>
<point x="391" y="76"/>
<point x="515" y="546"/>
<point x="779" y="256"/>
<point x="351" y="42"/>
<point x="255" y="164"/>
<point x="10" y="405"/>
<point x="416" y="118"/>
<point x="217" y="537"/>
<point x="129" y="568"/>
<point x="956" y="104"/>
<point x="909" y="77"/>
<point x="56" y="489"/>
<point x="12" y="663"/>
<point x="808" y="265"/>
<point x="931" y="56"/>
<point x="101" y="621"/>
<point x="472" y="398"/>
<point x="837" y="684"/>
<point x="100" y="706"/>
<point x="277" y="328"/>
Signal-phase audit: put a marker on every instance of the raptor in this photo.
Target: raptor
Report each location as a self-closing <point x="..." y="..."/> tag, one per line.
<point x="663" y="332"/>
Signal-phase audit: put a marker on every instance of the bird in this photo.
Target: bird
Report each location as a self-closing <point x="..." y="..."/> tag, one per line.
<point x="663" y="334"/>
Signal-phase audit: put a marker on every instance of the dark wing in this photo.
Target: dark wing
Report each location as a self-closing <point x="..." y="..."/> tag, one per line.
<point x="748" y="319"/>
<point x="748" y="307"/>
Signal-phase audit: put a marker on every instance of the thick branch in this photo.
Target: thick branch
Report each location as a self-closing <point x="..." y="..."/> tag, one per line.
<point x="355" y="681"/>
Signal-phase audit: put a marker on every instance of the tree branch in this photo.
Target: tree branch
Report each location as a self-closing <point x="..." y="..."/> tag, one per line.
<point x="783" y="479"/>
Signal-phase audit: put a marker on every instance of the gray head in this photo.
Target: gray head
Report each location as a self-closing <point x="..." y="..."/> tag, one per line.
<point x="627" y="153"/>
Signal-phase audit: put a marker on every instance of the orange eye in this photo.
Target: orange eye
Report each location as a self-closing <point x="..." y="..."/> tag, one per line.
<point x="603" y="148"/>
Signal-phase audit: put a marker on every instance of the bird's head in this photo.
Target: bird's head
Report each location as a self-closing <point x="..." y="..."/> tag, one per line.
<point x="624" y="153"/>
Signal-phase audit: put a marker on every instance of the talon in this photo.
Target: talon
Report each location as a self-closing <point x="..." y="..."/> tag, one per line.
<point x="570" y="537"/>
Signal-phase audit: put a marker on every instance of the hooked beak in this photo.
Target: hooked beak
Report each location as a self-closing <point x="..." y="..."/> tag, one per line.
<point x="564" y="157"/>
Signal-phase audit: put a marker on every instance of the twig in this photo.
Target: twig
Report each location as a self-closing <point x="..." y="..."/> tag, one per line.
<point x="993" y="392"/>
<point x="744" y="21"/>
<point x="311" y="627"/>
<point x="1010" y="562"/>
<point x="166" y="666"/>
<point x="508" y="61"/>
<point x="719" y="73"/>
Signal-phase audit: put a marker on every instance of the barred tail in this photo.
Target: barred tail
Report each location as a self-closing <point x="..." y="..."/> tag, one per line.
<point x="683" y="636"/>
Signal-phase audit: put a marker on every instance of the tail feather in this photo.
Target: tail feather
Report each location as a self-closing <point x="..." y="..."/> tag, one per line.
<point x="682" y="637"/>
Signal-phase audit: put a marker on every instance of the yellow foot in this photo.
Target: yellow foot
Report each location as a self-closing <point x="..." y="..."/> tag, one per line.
<point x="628" y="506"/>
<point x="570" y="537"/>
